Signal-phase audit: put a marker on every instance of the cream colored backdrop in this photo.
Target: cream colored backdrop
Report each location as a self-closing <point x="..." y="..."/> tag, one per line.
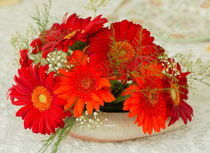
<point x="14" y="139"/>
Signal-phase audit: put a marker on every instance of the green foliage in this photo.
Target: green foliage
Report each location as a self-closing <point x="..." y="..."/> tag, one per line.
<point x="78" y="45"/>
<point x="120" y="99"/>
<point x="55" y="139"/>
<point x="117" y="87"/>
<point x="94" y="5"/>
<point x="42" y="18"/>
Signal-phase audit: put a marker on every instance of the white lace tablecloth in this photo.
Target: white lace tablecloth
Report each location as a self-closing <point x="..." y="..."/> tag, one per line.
<point x="195" y="138"/>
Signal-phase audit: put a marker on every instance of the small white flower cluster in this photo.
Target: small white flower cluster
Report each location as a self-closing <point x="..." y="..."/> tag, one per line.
<point x="91" y="121"/>
<point x="57" y="60"/>
<point x="17" y="41"/>
<point x="30" y="33"/>
<point x="172" y="66"/>
<point x="200" y="70"/>
<point x="168" y="66"/>
<point x="20" y="41"/>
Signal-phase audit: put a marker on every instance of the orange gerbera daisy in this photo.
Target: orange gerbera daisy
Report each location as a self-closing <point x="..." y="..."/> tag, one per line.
<point x="126" y="45"/>
<point x="146" y="102"/>
<point x="83" y="85"/>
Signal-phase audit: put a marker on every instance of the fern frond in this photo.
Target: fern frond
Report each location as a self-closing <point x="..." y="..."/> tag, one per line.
<point x="42" y="18"/>
<point x="55" y="139"/>
<point x="94" y="5"/>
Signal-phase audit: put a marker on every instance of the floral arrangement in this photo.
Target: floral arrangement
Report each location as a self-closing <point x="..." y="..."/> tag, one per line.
<point x="80" y="67"/>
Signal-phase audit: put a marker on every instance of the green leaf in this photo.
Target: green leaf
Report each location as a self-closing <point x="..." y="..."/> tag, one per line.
<point x="55" y="139"/>
<point x="120" y="99"/>
<point x="78" y="45"/>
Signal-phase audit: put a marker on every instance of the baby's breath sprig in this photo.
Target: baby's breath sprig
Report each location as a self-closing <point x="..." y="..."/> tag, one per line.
<point x="19" y="41"/>
<point x="169" y="65"/>
<point x="57" y="60"/>
<point x="91" y="121"/>
<point x="200" y="70"/>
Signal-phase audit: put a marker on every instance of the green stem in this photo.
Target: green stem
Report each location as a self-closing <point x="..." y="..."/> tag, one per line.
<point x="56" y="138"/>
<point x="201" y="80"/>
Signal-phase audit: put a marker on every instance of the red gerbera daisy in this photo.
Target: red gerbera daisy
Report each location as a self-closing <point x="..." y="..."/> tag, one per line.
<point x="146" y="101"/>
<point x="24" y="60"/>
<point x="83" y="85"/>
<point x="126" y="45"/>
<point x="177" y="95"/>
<point x="42" y="111"/>
<point x="36" y="45"/>
<point x="47" y="41"/>
<point x="61" y="36"/>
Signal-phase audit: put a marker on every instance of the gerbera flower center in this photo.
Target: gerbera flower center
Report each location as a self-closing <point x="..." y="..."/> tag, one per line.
<point x="153" y="97"/>
<point x="122" y="52"/>
<point x="41" y="98"/>
<point x="85" y="86"/>
<point x="174" y="92"/>
<point x="87" y="83"/>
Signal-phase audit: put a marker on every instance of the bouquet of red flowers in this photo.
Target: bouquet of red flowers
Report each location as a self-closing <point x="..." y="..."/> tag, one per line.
<point x="80" y="65"/>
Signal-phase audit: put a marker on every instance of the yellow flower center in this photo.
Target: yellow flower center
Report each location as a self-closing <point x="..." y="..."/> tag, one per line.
<point x="174" y="92"/>
<point x="41" y="98"/>
<point x="122" y="52"/>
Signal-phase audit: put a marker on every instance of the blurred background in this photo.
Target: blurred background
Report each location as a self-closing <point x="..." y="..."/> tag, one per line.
<point x="180" y="26"/>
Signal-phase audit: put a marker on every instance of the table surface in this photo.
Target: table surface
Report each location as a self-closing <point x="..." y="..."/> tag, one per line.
<point x="195" y="138"/>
